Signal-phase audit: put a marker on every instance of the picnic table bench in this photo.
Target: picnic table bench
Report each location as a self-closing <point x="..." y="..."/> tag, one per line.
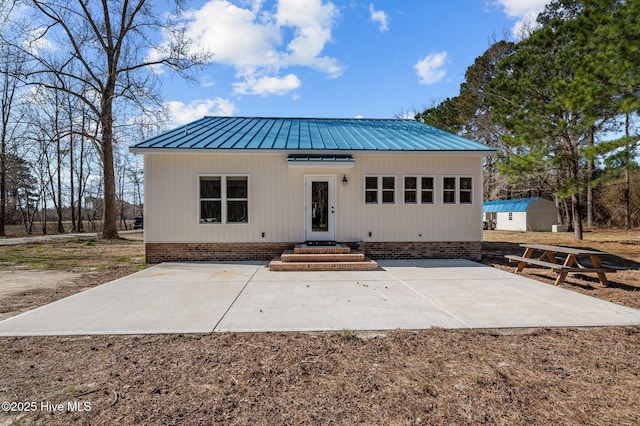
<point x="572" y="262"/>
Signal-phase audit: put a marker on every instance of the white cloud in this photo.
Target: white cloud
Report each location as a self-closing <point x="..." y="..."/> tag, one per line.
<point x="233" y="34"/>
<point x="312" y="22"/>
<point x="182" y="113"/>
<point x="259" y="43"/>
<point x="431" y="69"/>
<point x="521" y="8"/>
<point x="379" y="17"/>
<point x="525" y="11"/>
<point x="20" y="26"/>
<point x="207" y="82"/>
<point x="264" y="86"/>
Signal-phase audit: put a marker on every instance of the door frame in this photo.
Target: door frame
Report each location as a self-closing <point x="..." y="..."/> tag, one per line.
<point x="310" y="235"/>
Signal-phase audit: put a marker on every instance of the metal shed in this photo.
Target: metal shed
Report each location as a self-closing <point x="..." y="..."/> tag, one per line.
<point x="526" y="214"/>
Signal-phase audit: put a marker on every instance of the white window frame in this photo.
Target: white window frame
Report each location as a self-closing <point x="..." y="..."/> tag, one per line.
<point x="224" y="219"/>
<point x="419" y="190"/>
<point x="457" y="190"/>
<point x="470" y="190"/>
<point x="380" y="190"/>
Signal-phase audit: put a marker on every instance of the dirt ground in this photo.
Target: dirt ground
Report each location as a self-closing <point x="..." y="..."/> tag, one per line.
<point x="435" y="376"/>
<point x="36" y="274"/>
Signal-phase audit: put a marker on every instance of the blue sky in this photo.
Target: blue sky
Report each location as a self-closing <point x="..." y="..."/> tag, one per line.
<point x="339" y="58"/>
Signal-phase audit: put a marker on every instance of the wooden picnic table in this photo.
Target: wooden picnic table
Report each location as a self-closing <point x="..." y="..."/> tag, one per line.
<point x="573" y="261"/>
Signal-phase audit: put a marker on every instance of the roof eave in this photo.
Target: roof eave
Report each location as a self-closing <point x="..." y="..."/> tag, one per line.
<point x="262" y="151"/>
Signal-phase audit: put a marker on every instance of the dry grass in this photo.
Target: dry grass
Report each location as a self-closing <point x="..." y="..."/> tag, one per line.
<point x="539" y="376"/>
<point x="623" y="248"/>
<point x="92" y="261"/>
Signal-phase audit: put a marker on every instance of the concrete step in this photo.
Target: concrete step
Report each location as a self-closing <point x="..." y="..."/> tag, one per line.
<point x="366" y="265"/>
<point x="305" y="249"/>
<point x="290" y="256"/>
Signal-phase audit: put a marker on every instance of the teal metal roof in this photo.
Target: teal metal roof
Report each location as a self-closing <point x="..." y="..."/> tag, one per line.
<point x="308" y="135"/>
<point x="501" y="206"/>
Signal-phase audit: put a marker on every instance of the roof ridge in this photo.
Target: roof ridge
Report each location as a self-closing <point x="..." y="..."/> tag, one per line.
<point x="313" y="118"/>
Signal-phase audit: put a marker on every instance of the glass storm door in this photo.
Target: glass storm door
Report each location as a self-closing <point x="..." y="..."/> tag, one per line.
<point x="320" y="206"/>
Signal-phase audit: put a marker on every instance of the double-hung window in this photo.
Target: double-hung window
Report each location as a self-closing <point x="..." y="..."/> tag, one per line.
<point x="224" y="199"/>
<point x="466" y="190"/>
<point x="419" y="190"/>
<point x="371" y="190"/>
<point x="457" y="190"/>
<point x="379" y="189"/>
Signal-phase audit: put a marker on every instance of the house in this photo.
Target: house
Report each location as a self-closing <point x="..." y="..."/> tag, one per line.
<point x="527" y="214"/>
<point x="243" y="188"/>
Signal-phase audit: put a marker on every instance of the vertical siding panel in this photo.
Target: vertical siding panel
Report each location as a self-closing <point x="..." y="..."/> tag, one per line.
<point x="276" y="200"/>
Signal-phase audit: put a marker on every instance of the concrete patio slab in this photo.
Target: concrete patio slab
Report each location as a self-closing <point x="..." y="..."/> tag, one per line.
<point x="266" y="275"/>
<point x="489" y="298"/>
<point x="205" y="297"/>
<point x="167" y="298"/>
<point x="332" y="305"/>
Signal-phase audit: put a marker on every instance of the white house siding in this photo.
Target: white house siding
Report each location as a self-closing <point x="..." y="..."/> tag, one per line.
<point x="276" y="199"/>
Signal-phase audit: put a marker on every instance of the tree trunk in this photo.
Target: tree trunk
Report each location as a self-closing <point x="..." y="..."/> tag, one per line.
<point x="80" y="226"/>
<point x="44" y="213"/>
<point x="3" y="182"/>
<point x="559" y="214"/>
<point x="627" y="199"/>
<point x="109" y="229"/>
<point x="577" y="217"/>
<point x="627" y="180"/>
<point x="574" y="176"/>
<point x="567" y="214"/>
<point x="590" y="169"/>
<point x="59" y="179"/>
<point x="71" y="179"/>
<point x="3" y="149"/>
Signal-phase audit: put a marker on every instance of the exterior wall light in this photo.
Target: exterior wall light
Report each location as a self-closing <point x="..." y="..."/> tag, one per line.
<point x="345" y="181"/>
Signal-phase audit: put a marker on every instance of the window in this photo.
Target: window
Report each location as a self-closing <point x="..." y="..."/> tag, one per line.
<point x="457" y="190"/>
<point x="379" y="189"/>
<point x="427" y="188"/>
<point x="237" y="199"/>
<point x="465" y="190"/>
<point x="210" y="199"/>
<point x="410" y="190"/>
<point x="418" y="190"/>
<point x="388" y="189"/>
<point x="510" y="215"/>
<point x="449" y="190"/>
<point x="371" y="190"/>
<point x="224" y="199"/>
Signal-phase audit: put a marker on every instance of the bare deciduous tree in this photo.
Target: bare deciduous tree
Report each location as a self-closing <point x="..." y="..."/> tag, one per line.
<point x="112" y="50"/>
<point x="12" y="64"/>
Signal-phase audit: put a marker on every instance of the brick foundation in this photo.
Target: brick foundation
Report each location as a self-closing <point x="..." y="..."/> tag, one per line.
<point x="471" y="250"/>
<point x="184" y="252"/>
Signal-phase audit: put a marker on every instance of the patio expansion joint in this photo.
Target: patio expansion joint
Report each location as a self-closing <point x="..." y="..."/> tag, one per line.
<point x="215" y="327"/>
<point x="434" y="303"/>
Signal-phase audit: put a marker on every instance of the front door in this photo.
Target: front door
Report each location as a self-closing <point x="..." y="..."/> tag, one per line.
<point x="320" y="208"/>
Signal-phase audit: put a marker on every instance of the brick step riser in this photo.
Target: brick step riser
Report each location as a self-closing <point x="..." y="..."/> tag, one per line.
<point x="322" y="266"/>
<point x="350" y="257"/>
<point x="302" y="249"/>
